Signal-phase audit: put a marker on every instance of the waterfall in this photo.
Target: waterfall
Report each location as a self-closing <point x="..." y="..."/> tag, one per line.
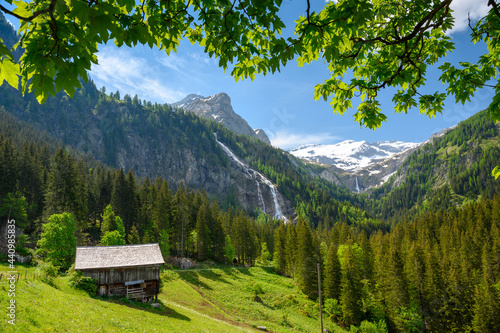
<point x="357" y="185"/>
<point x="260" y="178"/>
<point x="261" y="198"/>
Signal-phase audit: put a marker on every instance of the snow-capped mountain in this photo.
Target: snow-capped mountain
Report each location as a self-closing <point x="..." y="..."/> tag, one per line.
<point x="352" y="156"/>
<point x="218" y="107"/>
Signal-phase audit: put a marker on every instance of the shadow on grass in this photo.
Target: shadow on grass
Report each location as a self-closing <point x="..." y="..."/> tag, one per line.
<point x="193" y="277"/>
<point x="162" y="311"/>
<point x="245" y="271"/>
<point x="214" y="275"/>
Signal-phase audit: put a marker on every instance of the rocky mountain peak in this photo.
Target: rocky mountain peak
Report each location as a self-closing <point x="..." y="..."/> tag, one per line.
<point x="218" y="107"/>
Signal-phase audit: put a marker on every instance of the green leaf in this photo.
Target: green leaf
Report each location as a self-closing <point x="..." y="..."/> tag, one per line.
<point x="9" y="72"/>
<point x="496" y="172"/>
<point x="42" y="85"/>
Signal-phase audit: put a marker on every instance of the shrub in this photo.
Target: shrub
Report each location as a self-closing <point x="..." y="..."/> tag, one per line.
<point x="48" y="271"/>
<point x="77" y="280"/>
<point x="257" y="289"/>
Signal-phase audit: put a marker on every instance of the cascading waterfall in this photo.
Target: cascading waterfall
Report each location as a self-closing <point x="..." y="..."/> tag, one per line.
<point x="357" y="185"/>
<point x="260" y="178"/>
<point x="261" y="198"/>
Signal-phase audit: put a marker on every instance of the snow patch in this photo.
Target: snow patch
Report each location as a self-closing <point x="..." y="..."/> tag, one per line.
<point x="352" y="155"/>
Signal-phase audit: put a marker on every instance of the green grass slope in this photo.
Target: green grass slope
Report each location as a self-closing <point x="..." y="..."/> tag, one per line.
<point x="218" y="300"/>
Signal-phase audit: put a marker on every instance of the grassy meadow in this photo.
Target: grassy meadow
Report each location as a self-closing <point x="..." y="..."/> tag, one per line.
<point x="217" y="300"/>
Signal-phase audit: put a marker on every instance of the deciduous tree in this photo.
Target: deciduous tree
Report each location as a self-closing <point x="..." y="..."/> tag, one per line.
<point x="57" y="242"/>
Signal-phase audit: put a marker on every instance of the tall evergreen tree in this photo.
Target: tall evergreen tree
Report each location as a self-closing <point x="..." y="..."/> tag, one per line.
<point x="62" y="187"/>
<point x="291" y="250"/>
<point x="332" y="273"/>
<point x="351" y="286"/>
<point x="306" y="275"/>
<point x="279" y="257"/>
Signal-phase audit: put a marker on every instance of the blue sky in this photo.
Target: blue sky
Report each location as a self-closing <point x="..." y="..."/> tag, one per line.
<point x="283" y="104"/>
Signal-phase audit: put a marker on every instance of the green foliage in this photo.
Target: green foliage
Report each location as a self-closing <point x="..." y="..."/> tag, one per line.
<point x="112" y="238"/>
<point x="332" y="309"/>
<point x="229" y="251"/>
<point x="57" y="243"/>
<point x="108" y="222"/>
<point x="496" y="172"/>
<point x="265" y="256"/>
<point x="47" y="271"/>
<point x="112" y="229"/>
<point x="14" y="206"/>
<point x="85" y="283"/>
<point x="134" y="237"/>
<point x="163" y="242"/>
<point x="351" y="298"/>
<point x="370" y="327"/>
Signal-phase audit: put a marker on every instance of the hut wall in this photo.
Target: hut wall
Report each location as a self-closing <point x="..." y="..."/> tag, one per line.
<point x="123" y="275"/>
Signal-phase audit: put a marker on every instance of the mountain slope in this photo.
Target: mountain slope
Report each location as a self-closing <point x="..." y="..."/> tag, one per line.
<point x="151" y="139"/>
<point x="448" y="170"/>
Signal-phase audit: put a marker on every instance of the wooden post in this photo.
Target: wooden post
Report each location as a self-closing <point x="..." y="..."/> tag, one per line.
<point x="157" y="290"/>
<point x="319" y="293"/>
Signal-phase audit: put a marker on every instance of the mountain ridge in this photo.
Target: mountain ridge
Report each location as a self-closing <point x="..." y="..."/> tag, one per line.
<point x="218" y="108"/>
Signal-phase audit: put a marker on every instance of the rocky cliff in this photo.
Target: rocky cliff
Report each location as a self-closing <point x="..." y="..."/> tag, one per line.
<point x="218" y="107"/>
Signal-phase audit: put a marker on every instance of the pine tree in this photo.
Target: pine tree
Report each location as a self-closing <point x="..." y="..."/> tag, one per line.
<point x="229" y="251"/>
<point x="62" y="187"/>
<point x="279" y="257"/>
<point x="332" y="273"/>
<point x="181" y="219"/>
<point x="487" y="299"/>
<point x="164" y="243"/>
<point x="203" y="240"/>
<point x="291" y="250"/>
<point x="217" y="235"/>
<point x="306" y="275"/>
<point x="108" y="219"/>
<point x="133" y="236"/>
<point x="351" y="286"/>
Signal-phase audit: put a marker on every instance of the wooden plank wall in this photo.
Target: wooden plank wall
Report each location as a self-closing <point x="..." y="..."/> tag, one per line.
<point x="123" y="275"/>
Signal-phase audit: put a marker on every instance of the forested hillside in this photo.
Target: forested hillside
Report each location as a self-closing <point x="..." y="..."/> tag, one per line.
<point x="448" y="171"/>
<point x="439" y="272"/>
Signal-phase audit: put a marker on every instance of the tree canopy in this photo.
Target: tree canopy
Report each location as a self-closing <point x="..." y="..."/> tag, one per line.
<point x="368" y="45"/>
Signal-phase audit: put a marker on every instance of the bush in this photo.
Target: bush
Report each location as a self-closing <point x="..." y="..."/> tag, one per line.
<point x="48" y="272"/>
<point x="257" y="289"/>
<point x="77" y="280"/>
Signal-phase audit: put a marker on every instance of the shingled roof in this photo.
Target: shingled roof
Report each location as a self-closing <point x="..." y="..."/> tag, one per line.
<point x="119" y="256"/>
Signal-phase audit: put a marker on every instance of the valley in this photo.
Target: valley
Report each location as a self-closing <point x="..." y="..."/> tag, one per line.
<point x="406" y="235"/>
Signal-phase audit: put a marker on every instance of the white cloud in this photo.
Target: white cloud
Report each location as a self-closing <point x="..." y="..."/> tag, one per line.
<point x="287" y="140"/>
<point x="119" y="69"/>
<point x="462" y="9"/>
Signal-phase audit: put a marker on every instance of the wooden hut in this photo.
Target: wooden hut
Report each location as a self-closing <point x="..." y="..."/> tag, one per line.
<point x="127" y="270"/>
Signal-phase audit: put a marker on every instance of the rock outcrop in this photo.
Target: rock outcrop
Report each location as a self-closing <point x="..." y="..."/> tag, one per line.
<point x="218" y="107"/>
